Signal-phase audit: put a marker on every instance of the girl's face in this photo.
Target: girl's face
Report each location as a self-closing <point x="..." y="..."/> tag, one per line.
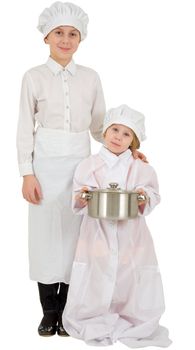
<point x="118" y="138"/>
<point x="63" y="42"/>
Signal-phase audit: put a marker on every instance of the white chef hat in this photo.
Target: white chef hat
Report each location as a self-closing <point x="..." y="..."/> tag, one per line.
<point x="59" y="14"/>
<point x="126" y="116"/>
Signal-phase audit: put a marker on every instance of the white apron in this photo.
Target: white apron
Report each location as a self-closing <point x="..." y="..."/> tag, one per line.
<point x="53" y="227"/>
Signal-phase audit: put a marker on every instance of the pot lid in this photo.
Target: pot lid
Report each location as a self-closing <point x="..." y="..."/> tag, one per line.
<point x="112" y="189"/>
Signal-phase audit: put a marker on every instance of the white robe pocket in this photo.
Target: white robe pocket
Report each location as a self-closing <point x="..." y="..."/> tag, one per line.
<point x="150" y="294"/>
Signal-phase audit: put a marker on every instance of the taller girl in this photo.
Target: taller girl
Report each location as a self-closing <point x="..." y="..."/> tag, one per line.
<point x="60" y="102"/>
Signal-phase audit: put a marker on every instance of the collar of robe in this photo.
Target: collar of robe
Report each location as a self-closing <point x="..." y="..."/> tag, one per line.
<point x="112" y="159"/>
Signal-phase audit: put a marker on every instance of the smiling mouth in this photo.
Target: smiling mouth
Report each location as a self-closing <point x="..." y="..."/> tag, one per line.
<point x="64" y="48"/>
<point x="115" y="144"/>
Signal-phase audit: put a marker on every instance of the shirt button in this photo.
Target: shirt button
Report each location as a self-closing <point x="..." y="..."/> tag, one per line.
<point x="67" y="121"/>
<point x="67" y="107"/>
<point x="66" y="93"/>
<point x="65" y="80"/>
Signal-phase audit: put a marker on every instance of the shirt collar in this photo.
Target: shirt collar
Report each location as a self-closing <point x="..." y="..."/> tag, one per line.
<point x="111" y="159"/>
<point x="56" y="68"/>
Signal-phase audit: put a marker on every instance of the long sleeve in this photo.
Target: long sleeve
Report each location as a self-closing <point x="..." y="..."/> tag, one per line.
<point x="75" y="207"/>
<point x="98" y="112"/>
<point x="151" y="187"/>
<point x="83" y="176"/>
<point x="26" y="125"/>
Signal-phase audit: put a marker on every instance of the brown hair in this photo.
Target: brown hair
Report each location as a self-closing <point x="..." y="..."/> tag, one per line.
<point x="135" y="144"/>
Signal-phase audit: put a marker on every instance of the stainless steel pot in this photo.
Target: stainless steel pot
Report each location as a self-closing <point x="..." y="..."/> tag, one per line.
<point x="112" y="203"/>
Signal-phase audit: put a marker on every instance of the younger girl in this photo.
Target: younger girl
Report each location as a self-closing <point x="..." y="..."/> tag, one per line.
<point x="115" y="289"/>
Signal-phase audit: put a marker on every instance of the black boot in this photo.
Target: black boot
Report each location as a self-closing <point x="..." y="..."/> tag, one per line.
<point x="49" y="302"/>
<point x="62" y="297"/>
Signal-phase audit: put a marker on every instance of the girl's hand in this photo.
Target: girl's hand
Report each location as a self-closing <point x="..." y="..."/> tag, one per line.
<point x="31" y="189"/>
<point x="136" y="154"/>
<point x="80" y="201"/>
<point x="142" y="202"/>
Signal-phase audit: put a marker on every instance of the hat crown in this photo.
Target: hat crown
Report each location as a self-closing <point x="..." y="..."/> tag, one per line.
<point x="65" y="8"/>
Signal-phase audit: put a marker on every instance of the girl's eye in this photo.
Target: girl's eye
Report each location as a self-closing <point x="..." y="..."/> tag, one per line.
<point x="73" y="34"/>
<point x="115" y="129"/>
<point x="126" y="134"/>
<point x="58" y="32"/>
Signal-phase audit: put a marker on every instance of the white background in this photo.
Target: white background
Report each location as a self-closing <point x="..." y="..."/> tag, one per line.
<point x="144" y="53"/>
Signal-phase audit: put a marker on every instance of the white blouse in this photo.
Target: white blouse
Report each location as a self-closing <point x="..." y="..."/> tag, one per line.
<point x="55" y="97"/>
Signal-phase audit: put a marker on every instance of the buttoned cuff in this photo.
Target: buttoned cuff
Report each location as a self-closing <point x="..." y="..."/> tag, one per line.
<point x="26" y="169"/>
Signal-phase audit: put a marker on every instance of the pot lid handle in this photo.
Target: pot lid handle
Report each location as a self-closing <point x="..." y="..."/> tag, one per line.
<point x="114" y="185"/>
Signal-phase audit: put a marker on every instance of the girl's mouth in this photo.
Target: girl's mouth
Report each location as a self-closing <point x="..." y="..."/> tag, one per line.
<point x="65" y="49"/>
<point x="115" y="144"/>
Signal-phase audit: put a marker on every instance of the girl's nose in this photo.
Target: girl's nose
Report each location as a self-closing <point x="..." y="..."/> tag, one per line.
<point x="118" y="136"/>
<point x="65" y="39"/>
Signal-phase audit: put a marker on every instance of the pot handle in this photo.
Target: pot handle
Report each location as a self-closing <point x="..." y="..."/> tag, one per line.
<point x="141" y="197"/>
<point x="86" y="195"/>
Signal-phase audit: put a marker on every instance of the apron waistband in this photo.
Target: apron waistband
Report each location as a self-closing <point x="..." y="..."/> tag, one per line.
<point x="57" y="143"/>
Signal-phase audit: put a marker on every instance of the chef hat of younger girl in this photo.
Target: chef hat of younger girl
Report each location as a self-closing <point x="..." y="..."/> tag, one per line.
<point x="126" y="116"/>
<point x="60" y="14"/>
